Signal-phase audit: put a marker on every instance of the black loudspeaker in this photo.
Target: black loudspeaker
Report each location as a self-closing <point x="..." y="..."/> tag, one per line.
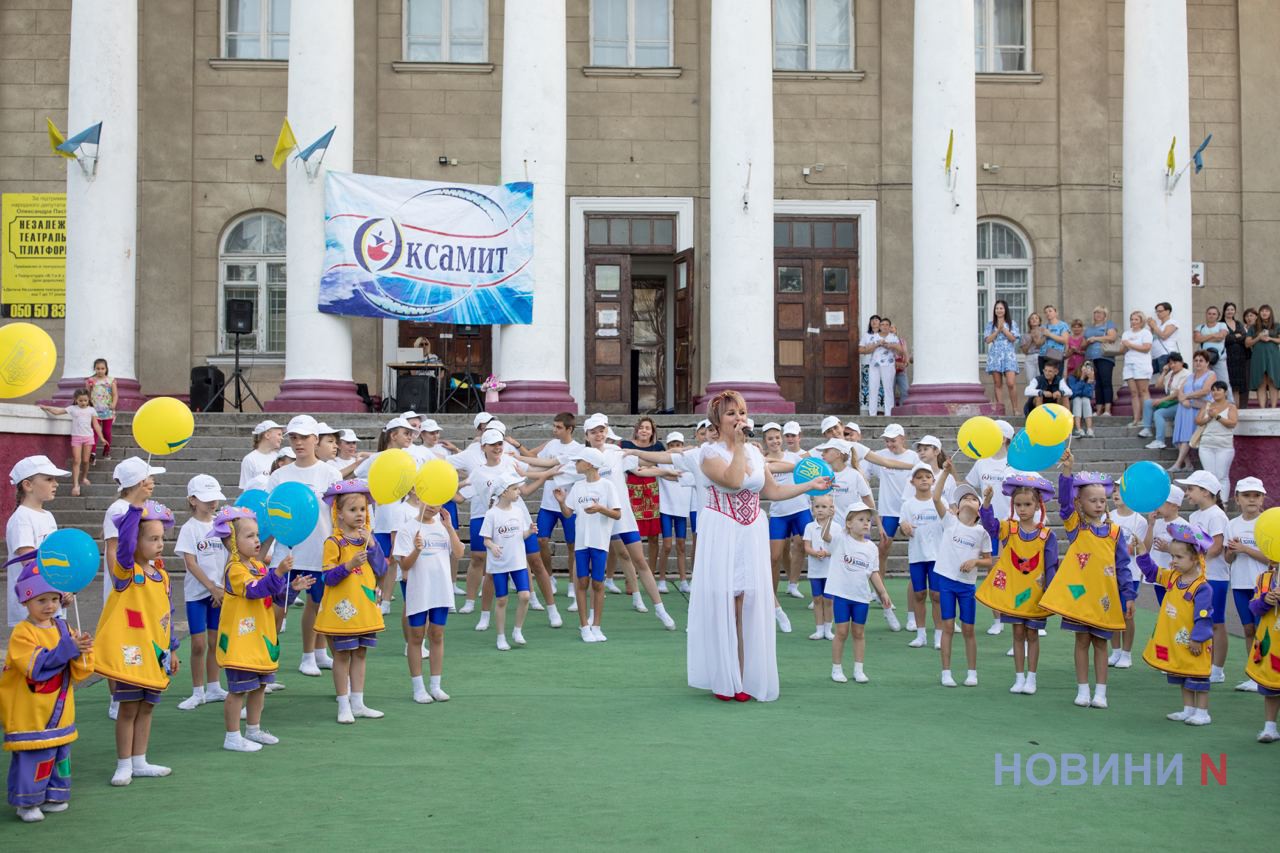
<point x="239" y="317"/>
<point x="416" y="392"/>
<point x="206" y="384"/>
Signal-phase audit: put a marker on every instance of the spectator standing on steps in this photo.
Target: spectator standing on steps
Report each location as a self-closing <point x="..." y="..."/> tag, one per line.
<point x="1102" y="332"/>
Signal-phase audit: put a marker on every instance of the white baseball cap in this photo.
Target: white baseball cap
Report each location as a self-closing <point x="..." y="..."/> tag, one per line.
<point x="856" y="506"/>
<point x="791" y="428"/>
<point x="930" y="440"/>
<point x="202" y="487"/>
<point x="835" y="444"/>
<point x="410" y="415"/>
<point x="703" y="424"/>
<point x="133" y="471"/>
<point x="893" y="431"/>
<point x="1007" y="430"/>
<point x="286" y="452"/>
<point x="1176" y="496"/>
<point x="323" y="428"/>
<point x="920" y="466"/>
<point x="33" y="465"/>
<point x="828" y="422"/>
<point x="492" y="436"/>
<point x="613" y="436"/>
<point x="507" y="480"/>
<point x="1204" y="480"/>
<point x="771" y="425"/>
<point x="498" y="425"/>
<point x="303" y="425"/>
<point x="595" y="421"/>
<point x="600" y="415"/>
<point x="347" y="435"/>
<point x="675" y="436"/>
<point x="1250" y="484"/>
<point x="266" y="425"/>
<point x="429" y="425"/>
<point x="591" y="456"/>
<point x="399" y="423"/>
<point x="481" y="419"/>
<point x="853" y="426"/>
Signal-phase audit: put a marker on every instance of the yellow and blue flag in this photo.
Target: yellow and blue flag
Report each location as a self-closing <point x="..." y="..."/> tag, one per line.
<point x="56" y="139"/>
<point x="1198" y="157"/>
<point x="319" y="145"/>
<point x="285" y="143"/>
<point x="88" y="135"/>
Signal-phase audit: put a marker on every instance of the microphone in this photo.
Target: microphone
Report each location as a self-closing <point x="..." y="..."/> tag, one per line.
<point x="748" y="432"/>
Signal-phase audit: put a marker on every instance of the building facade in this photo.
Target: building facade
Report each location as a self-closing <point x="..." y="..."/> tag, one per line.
<point x="696" y="248"/>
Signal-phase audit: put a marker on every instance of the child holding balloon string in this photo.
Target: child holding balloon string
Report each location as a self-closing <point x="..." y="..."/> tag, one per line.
<point x="964" y="547"/>
<point x="1134" y="527"/>
<point x="202" y="589"/>
<point x="35" y="479"/>
<point x="426" y="544"/>
<point x="85" y="431"/>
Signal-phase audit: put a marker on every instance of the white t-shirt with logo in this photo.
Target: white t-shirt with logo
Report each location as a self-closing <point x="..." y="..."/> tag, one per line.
<point x="592" y="529"/>
<point x="992" y="472"/>
<point x="850" y="567"/>
<point x="255" y="463"/>
<point x="429" y="581"/>
<point x="816" y="567"/>
<point x="1213" y="521"/>
<point x="847" y="488"/>
<point x="507" y="529"/>
<point x="1244" y="569"/>
<point x="557" y="451"/>
<point x="618" y="464"/>
<point x="195" y="538"/>
<point x="309" y="555"/>
<point x="782" y="509"/>
<point x="26" y="528"/>
<point x="893" y="482"/>
<point x="958" y="544"/>
<point x="922" y="544"/>
<point x="484" y="484"/>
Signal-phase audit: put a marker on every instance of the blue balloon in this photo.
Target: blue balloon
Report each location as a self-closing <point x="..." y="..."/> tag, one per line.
<point x="812" y="468"/>
<point x="256" y="500"/>
<point x="1026" y="456"/>
<point x="292" y="513"/>
<point x="68" y="559"/>
<point x="1144" y="486"/>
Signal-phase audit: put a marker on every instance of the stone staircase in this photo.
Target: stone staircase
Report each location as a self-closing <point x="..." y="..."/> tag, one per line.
<point x="222" y="440"/>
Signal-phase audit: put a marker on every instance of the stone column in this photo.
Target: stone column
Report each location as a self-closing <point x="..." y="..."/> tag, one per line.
<point x="531" y="359"/>
<point x="317" y="369"/>
<point x="741" y="258"/>
<point x="102" y="210"/>
<point x="1156" y="224"/>
<point x="944" y="213"/>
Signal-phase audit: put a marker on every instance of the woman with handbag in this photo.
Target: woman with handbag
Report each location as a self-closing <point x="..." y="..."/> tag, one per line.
<point x="1216" y="423"/>
<point x="1190" y="400"/>
<point x="1102" y="348"/>
<point x="1211" y="336"/>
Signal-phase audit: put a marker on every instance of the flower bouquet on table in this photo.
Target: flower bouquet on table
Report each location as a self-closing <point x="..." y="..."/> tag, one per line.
<point x="491" y="386"/>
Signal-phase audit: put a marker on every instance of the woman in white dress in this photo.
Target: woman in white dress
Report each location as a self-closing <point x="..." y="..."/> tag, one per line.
<point x="731" y="648"/>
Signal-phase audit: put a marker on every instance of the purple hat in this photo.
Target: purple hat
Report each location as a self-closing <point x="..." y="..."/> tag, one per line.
<point x="1033" y="481"/>
<point x="346" y="487"/>
<point x="1189" y="532"/>
<point x="151" y="511"/>
<point x="1093" y="478"/>
<point x="30" y="582"/>
<point x="225" y="517"/>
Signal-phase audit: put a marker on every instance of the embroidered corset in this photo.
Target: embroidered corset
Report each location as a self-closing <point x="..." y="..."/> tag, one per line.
<point x="743" y="507"/>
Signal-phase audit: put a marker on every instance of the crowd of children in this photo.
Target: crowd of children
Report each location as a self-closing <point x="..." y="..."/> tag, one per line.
<point x="238" y="583"/>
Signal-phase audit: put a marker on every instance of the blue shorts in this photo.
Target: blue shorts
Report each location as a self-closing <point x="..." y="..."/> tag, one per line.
<point x="203" y="616"/>
<point x="627" y="538"/>
<point x="531" y="544"/>
<point x="817" y="587"/>
<point x="244" y="681"/>
<point x="547" y="521"/>
<point x="693" y="521"/>
<point x="1242" y="598"/>
<point x="384" y="542"/>
<point x="786" y="526"/>
<point x="123" y="691"/>
<point x="674" y="524"/>
<point x="951" y="593"/>
<point x="315" y="592"/>
<point x="451" y="507"/>
<point x="477" y="541"/>
<point x="590" y="562"/>
<point x="890" y="525"/>
<point x="1220" y="590"/>
<point x="1033" y="624"/>
<point x="353" y="642"/>
<point x="922" y="578"/>
<point x="995" y="546"/>
<point x="1196" y="685"/>
<point x="436" y="616"/>
<point x="844" y="610"/>
<point x="520" y="576"/>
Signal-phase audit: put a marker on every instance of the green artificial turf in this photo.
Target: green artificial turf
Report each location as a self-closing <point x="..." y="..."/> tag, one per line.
<point x="566" y="746"/>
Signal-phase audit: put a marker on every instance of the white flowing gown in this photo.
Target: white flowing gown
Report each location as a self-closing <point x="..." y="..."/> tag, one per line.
<point x="733" y="558"/>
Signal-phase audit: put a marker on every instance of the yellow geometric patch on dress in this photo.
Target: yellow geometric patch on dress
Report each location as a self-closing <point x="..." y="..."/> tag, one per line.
<point x="345" y="610"/>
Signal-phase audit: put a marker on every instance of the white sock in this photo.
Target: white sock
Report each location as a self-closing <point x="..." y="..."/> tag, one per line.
<point x="837" y="669"/>
<point x="937" y="636"/>
<point x="1031" y="678"/>
<point x="140" y="762"/>
<point x="252" y="729"/>
<point x="1100" y="692"/>
<point x="231" y="738"/>
<point x="973" y="673"/>
<point x="828" y="627"/>
<point x="1019" y="678"/>
<point x="198" y="691"/>
<point x="417" y="684"/>
<point x="434" y="683"/>
<point x="344" y="703"/>
<point x="660" y="609"/>
<point x="1082" y="690"/>
<point x="470" y="602"/>
<point x="946" y="673"/>
<point x="857" y="668"/>
<point x="308" y="657"/>
<point x="1269" y="728"/>
<point x="920" y="634"/>
<point x="357" y="699"/>
<point x="1215" y="671"/>
<point x="123" y="764"/>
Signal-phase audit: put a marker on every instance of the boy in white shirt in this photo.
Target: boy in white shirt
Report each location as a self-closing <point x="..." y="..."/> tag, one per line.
<point x="30" y="524"/>
<point x="922" y="526"/>
<point x="675" y="491"/>
<point x="818" y="558"/>
<point x="990" y="473"/>
<point x="206" y="562"/>
<point x="559" y="450"/>
<point x="267" y="436"/>
<point x="505" y="527"/>
<point x="964" y="547"/>
<point x="893" y="482"/>
<point x="1247" y="562"/>
<point x="851" y="575"/>
<point x="594" y="505"/>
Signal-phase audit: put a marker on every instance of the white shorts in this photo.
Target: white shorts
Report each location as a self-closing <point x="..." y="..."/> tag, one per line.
<point x="1137" y="371"/>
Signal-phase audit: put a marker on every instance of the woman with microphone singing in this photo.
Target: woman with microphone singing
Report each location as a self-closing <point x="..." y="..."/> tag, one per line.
<point x="731" y="629"/>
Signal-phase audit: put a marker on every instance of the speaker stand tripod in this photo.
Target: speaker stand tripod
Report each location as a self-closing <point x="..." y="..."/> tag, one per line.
<point x="466" y="391"/>
<point x="242" y="385"/>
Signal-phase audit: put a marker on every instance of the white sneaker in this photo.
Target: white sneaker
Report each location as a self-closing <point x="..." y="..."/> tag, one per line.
<point x="584" y="631"/>
<point x="123" y="776"/>
<point x="1081" y="700"/>
<point x="1078" y="434"/>
<point x="860" y="677"/>
<point x="667" y="622"/>
<point x="323" y="660"/>
<point x="662" y="587"/>
<point x="819" y="634"/>
<point x="1179" y="716"/>
<point x="262" y="736"/>
<point x="838" y="676"/>
<point x="794" y="591"/>
<point x="438" y="694"/>
<point x="553" y="617"/>
<point x="457" y="590"/>
<point x="1009" y="653"/>
<point x="1265" y="736"/>
<point x="214" y="693"/>
<point x="826" y="630"/>
<point x="637" y="603"/>
<point x="892" y="619"/>
<point x="1029" y="689"/>
<point x="971" y="680"/>
<point x="1144" y="433"/>
<point x="467" y="607"/>
<point x="244" y="713"/>
<point x="308" y="667"/>
<point x="422" y="697"/>
<point x="1019" y="684"/>
<point x="947" y="680"/>
<point x="683" y="586"/>
<point x="53" y="807"/>
<point x="33" y="814"/>
<point x="345" y="716"/>
<point x="911" y="621"/>
<point x="535" y="604"/>
<point x="1088" y="433"/>
<point x="917" y="643"/>
<point x="503" y="645"/>
<point x="995" y="629"/>
<point x="809" y="606"/>
<point x="1113" y="657"/>
<point x="385" y="607"/>
<point x="1042" y="632"/>
<point x="191" y="702"/>
<point x="517" y="637"/>
<point x="1247" y="686"/>
<point x="483" y="624"/>
<point x="1098" y="702"/>
<point x="113" y="710"/>
<point x="284" y="625"/>
<point x="573" y="605"/>
<point x="1199" y="718"/>
<point x="598" y="634"/>
<point x="611" y="587"/>
<point x="1125" y="661"/>
<point x="299" y="601"/>
<point x="366" y="712"/>
<point x="275" y="687"/>
<point x="784" y="622"/>
<point x="959" y="630"/>
<point x="1156" y="445"/>
<point x="426" y="652"/>
<point x="1217" y="677"/>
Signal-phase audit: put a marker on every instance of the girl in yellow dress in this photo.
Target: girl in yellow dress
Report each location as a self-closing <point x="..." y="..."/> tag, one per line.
<point x="136" y="649"/>
<point x="349" y="611"/>
<point x="1093" y="589"/>
<point x="1264" y="661"/>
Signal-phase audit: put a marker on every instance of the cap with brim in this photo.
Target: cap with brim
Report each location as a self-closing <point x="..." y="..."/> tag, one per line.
<point x="771" y="425"/>
<point x="675" y="436"/>
<point x="348" y="435"/>
<point x="481" y="419"/>
<point x="266" y="425"/>
<point x="410" y="415"/>
<point x="837" y="444"/>
<point x="498" y="425"/>
<point x="1006" y="429"/>
<point x="1190" y="533"/>
<point x="303" y="425"/>
<point x="133" y="471"/>
<point x="590" y="455"/>
<point x="704" y="424"/>
<point x="399" y="423"/>
<point x="893" y="431"/>
<point x="33" y="465"/>
<point x="507" y="480"/>
<point x="429" y="425"/>
<point x="287" y="452"/>
<point x="1029" y="481"/>
<point x="920" y="466"/>
<point x="1204" y="480"/>
<point x="1250" y="484"/>
<point x="594" y="422"/>
<point x="203" y="487"/>
<point x="491" y="436"/>
<point x="828" y="422"/>
<point x="856" y="506"/>
<point x="791" y="428"/>
<point x="613" y="436"/>
<point x="853" y="427"/>
<point x="929" y="441"/>
<point x="323" y="428"/>
<point x="1176" y="496"/>
<point x="962" y="490"/>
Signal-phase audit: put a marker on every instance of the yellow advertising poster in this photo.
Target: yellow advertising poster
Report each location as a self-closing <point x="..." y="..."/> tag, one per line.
<point x="33" y="262"/>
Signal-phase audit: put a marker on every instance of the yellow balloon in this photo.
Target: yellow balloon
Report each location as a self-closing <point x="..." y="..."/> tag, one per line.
<point x="980" y="437"/>
<point x="437" y="482"/>
<point x="1049" y="424"/>
<point x="391" y="475"/>
<point x="1266" y="532"/>
<point x="163" y="425"/>
<point x="27" y="358"/>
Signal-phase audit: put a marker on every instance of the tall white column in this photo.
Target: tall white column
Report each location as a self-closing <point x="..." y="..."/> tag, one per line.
<point x="317" y="369"/>
<point x="530" y="359"/>
<point x="741" y="258"/>
<point x="102" y="211"/>
<point x="1156" y="225"/>
<point x="944" y="212"/>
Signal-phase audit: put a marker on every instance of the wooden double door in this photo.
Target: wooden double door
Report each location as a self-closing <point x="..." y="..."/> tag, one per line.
<point x="816" y="331"/>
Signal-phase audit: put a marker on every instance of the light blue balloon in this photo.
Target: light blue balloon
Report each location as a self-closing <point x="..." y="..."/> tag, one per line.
<point x="1144" y="486"/>
<point x="292" y="513"/>
<point x="1026" y="456"/>
<point x="68" y="560"/>
<point x="812" y="468"/>
<point x="256" y="500"/>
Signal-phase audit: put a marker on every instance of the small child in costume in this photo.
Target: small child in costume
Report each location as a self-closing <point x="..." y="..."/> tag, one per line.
<point x="1181" y="646"/>
<point x="37" y="703"/>
<point x="349" y="612"/>
<point x="1027" y="563"/>
<point x="248" y="647"/>
<point x="1093" y="589"/>
<point x="136" y="649"/>
<point x="1264" y="661"/>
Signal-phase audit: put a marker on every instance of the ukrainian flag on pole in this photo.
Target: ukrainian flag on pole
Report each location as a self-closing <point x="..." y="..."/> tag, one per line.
<point x="285" y="143"/>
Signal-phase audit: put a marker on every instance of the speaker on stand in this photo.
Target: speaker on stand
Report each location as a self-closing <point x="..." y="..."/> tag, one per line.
<point x="239" y="320"/>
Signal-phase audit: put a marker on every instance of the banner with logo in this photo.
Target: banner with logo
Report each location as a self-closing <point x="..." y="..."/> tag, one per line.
<point x="426" y="251"/>
<point x="33" y="257"/>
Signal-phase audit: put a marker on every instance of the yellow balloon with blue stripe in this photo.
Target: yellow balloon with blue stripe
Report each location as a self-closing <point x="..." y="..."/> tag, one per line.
<point x="163" y="425"/>
<point x="1049" y="424"/>
<point x="980" y="437"/>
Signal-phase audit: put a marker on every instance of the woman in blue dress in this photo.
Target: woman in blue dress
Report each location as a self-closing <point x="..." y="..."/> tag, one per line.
<point x="1195" y="391"/>
<point x="1001" y="336"/>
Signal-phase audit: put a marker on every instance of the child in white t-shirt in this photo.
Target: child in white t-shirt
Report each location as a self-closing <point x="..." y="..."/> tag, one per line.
<point x="1158" y="538"/>
<point x="851" y="576"/>
<point x="426" y="543"/>
<point x="675" y="494"/>
<point x="30" y="524"/>
<point x="593" y="505"/>
<point x="505" y="527"/>
<point x="1246" y="561"/>
<point x="922" y="526"/>
<point x="206" y="562"/>
<point x="817" y="564"/>
<point x="1134" y="529"/>
<point x="963" y="548"/>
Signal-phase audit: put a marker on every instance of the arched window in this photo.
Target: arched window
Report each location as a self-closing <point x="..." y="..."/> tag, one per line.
<point x="1004" y="272"/>
<point x="251" y="266"/>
